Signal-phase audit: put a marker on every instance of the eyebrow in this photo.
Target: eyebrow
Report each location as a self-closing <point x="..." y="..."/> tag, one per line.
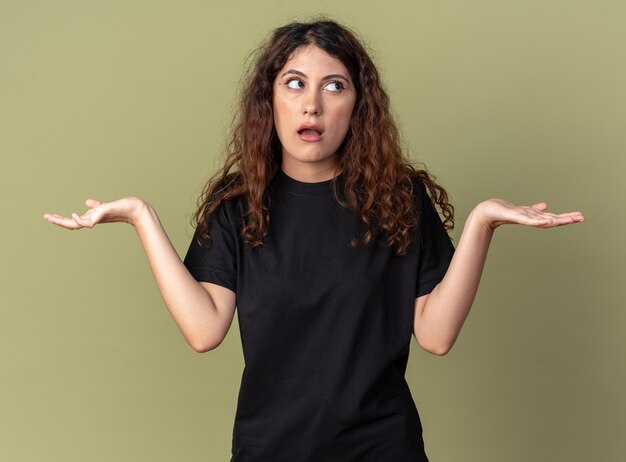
<point x="327" y="77"/>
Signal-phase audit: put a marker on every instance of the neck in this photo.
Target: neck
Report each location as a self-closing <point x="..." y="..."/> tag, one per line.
<point x="310" y="172"/>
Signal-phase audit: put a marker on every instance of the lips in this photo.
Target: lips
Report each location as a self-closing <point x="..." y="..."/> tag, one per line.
<point x="310" y="129"/>
<point x="310" y="132"/>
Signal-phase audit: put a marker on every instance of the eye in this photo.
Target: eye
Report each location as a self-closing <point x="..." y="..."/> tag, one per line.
<point x="295" y="84"/>
<point x="334" y="86"/>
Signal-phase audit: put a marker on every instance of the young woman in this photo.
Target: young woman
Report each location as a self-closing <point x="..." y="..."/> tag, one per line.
<point x="329" y="244"/>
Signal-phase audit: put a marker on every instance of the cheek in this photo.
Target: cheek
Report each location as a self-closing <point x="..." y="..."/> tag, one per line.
<point x="282" y="112"/>
<point x="345" y="117"/>
<point x="278" y="116"/>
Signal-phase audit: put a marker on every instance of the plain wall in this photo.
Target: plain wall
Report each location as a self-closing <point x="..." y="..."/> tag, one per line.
<point x="522" y="100"/>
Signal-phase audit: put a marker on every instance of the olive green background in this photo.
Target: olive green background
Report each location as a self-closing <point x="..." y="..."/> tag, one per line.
<point x="522" y="100"/>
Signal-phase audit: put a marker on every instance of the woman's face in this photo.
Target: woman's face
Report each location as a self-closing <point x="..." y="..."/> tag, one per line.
<point x="313" y="101"/>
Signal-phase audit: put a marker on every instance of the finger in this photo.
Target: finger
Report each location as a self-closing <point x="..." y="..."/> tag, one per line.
<point x="578" y="216"/>
<point x="552" y="222"/>
<point x="569" y="217"/>
<point x="52" y="216"/>
<point x="541" y="222"/>
<point x="571" y="214"/>
<point x="93" y="203"/>
<point x="540" y="205"/>
<point x="573" y="218"/>
<point x="548" y="214"/>
<point x="83" y="222"/>
<point x="63" y="222"/>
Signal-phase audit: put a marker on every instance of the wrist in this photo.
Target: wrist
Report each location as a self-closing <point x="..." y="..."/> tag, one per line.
<point x="140" y="212"/>
<point x="480" y="217"/>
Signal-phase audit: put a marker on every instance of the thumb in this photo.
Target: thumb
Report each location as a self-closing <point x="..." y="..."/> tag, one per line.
<point x="92" y="203"/>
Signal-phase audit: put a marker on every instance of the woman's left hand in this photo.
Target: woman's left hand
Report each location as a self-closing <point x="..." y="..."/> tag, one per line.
<point x="496" y="212"/>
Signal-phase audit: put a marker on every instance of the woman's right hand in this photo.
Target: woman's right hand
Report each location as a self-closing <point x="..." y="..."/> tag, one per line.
<point x="202" y="311"/>
<point x="127" y="210"/>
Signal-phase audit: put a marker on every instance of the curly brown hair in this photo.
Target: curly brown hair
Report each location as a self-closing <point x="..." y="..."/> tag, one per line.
<point x="379" y="180"/>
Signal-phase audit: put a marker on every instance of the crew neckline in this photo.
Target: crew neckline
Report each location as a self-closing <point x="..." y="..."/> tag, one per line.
<point x="303" y="187"/>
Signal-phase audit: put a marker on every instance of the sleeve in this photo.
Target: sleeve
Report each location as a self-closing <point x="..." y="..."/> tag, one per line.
<point x="435" y="246"/>
<point x="215" y="262"/>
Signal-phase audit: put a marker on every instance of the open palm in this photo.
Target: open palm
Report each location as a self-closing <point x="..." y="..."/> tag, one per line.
<point x="496" y="212"/>
<point x="121" y="210"/>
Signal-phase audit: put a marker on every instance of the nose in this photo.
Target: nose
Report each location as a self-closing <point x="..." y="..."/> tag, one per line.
<point x="312" y="104"/>
<point x="310" y="109"/>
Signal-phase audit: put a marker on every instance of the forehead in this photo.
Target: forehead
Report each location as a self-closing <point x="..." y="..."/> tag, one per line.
<point x="312" y="60"/>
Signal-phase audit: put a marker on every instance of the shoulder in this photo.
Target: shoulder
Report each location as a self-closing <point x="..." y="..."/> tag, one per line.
<point x="228" y="186"/>
<point x="228" y="190"/>
<point x="225" y="200"/>
<point x="426" y="193"/>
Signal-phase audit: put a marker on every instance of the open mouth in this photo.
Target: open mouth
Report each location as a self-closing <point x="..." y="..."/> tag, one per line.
<point x="310" y="132"/>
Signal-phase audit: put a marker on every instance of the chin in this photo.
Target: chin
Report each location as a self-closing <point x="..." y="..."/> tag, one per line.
<point x="312" y="157"/>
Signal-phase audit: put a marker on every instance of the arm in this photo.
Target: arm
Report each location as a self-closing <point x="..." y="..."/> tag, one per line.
<point x="202" y="311"/>
<point x="439" y="316"/>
